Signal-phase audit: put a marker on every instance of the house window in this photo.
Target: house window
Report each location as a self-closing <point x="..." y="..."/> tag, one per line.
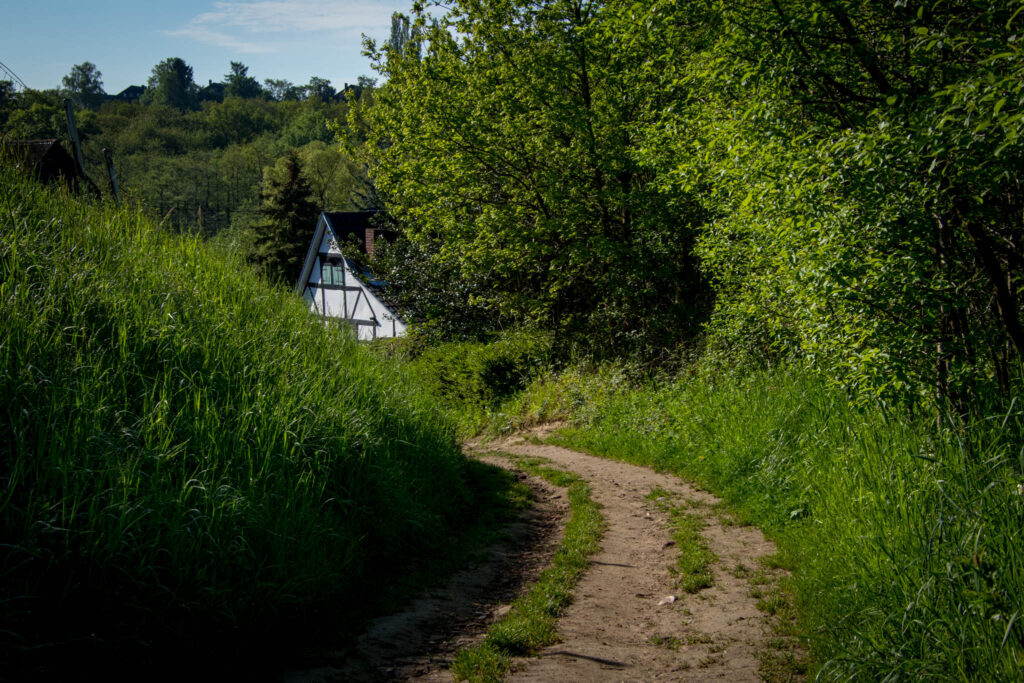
<point x="331" y="274"/>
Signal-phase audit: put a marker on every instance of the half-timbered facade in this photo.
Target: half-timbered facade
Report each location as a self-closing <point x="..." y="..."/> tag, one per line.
<point x="333" y="285"/>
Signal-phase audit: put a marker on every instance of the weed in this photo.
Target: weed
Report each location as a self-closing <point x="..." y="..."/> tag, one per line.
<point x="693" y="565"/>
<point x="668" y="642"/>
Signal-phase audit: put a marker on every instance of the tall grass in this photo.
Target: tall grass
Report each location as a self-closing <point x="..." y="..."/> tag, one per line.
<point x="186" y="451"/>
<point x="905" y="537"/>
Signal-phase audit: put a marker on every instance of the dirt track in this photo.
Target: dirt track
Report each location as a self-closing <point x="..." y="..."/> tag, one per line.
<point x="620" y="627"/>
<point x="610" y="630"/>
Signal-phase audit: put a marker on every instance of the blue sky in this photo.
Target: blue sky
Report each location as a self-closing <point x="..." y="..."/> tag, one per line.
<point x="292" y="39"/>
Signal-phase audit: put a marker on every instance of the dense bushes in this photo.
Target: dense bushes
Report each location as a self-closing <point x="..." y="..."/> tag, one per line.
<point x="185" y="450"/>
<point x="469" y="378"/>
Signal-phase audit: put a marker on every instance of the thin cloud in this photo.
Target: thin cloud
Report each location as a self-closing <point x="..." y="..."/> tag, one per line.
<point x="223" y="25"/>
<point x="202" y="34"/>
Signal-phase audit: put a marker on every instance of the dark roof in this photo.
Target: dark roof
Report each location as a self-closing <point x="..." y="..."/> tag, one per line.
<point x="47" y="160"/>
<point x="130" y="94"/>
<point x="359" y="223"/>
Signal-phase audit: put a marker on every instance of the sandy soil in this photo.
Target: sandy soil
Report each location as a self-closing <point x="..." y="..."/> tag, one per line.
<point x="628" y="622"/>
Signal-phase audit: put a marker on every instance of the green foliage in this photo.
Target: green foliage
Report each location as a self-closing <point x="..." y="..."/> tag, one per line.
<point x="843" y="174"/>
<point x="199" y="167"/>
<point x="240" y="84"/>
<point x="279" y="89"/>
<point x="188" y="457"/>
<point x="435" y="294"/>
<point x="171" y="85"/>
<point x="902" y="535"/>
<point x="505" y="148"/>
<point x="472" y="376"/>
<point x="84" y="85"/>
<point x="693" y="566"/>
<point x="289" y="216"/>
<point x="320" y="89"/>
<point x="857" y="160"/>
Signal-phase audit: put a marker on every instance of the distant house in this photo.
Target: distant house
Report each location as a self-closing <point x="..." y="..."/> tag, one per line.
<point x="130" y="94"/>
<point x="213" y="92"/>
<point x="47" y="160"/>
<point x="335" y="286"/>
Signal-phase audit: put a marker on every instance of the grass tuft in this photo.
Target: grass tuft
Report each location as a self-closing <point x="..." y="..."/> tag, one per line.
<point x="692" y="568"/>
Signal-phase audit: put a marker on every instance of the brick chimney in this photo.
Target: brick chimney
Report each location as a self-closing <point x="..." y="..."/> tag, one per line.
<point x="368" y="241"/>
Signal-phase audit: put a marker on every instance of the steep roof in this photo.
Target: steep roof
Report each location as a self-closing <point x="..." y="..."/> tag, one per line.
<point x="47" y="160"/>
<point x="361" y="224"/>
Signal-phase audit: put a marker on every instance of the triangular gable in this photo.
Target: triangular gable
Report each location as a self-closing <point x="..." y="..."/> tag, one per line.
<point x="331" y="286"/>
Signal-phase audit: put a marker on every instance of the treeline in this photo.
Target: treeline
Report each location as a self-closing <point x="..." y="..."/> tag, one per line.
<point x="196" y="158"/>
<point x="832" y="181"/>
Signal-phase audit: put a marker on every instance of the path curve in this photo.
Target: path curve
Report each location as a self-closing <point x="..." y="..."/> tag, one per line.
<point x="610" y="631"/>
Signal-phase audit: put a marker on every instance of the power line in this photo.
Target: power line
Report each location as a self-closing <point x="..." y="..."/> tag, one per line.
<point x="13" y="76"/>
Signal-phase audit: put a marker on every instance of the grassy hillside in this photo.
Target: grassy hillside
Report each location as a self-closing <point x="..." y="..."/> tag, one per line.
<point x="903" y="533"/>
<point x="185" y="451"/>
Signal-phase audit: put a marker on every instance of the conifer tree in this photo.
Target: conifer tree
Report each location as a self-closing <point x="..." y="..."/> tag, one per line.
<point x="289" y="219"/>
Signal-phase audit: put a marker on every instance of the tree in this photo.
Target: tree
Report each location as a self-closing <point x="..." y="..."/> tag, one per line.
<point x="240" y="84"/>
<point x="331" y="174"/>
<point x="8" y="100"/>
<point x="404" y="36"/>
<point x="84" y="86"/>
<point x="281" y="90"/>
<point x="171" y="85"/>
<point x="289" y="218"/>
<point x="506" y="151"/>
<point x="320" y="89"/>
<point x="860" y="162"/>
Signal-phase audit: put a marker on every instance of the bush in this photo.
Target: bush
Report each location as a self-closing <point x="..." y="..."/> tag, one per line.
<point x="481" y="373"/>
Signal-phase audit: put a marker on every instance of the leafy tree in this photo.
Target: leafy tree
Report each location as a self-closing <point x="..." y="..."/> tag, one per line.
<point x="858" y="160"/>
<point x="310" y="124"/>
<point x="329" y="173"/>
<point x="320" y="89"/>
<point x="84" y="85"/>
<point x="433" y="293"/>
<point x="8" y="100"/>
<point x="403" y="37"/>
<point x="281" y="90"/>
<point x="37" y="114"/>
<point x="507" y="151"/>
<point x="171" y="85"/>
<point x="237" y="121"/>
<point x="240" y="84"/>
<point x="289" y="218"/>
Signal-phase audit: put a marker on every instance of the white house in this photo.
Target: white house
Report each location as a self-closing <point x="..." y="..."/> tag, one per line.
<point x="335" y="287"/>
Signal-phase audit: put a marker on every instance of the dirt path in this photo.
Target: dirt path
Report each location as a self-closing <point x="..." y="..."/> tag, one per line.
<point x="419" y="642"/>
<point x="610" y="631"/>
<point x="620" y="627"/>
